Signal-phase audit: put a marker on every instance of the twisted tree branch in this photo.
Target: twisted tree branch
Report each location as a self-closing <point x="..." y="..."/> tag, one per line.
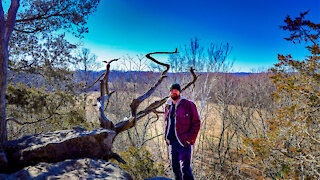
<point x="129" y="123"/>
<point x="105" y="95"/>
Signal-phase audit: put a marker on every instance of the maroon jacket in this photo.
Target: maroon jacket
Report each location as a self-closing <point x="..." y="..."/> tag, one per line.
<point x="187" y="121"/>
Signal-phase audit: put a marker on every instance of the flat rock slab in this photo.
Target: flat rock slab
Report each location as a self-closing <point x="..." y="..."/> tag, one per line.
<point x="71" y="169"/>
<point x="58" y="146"/>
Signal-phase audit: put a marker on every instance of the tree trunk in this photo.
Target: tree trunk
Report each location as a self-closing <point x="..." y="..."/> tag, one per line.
<point x="3" y="87"/>
<point x="6" y="28"/>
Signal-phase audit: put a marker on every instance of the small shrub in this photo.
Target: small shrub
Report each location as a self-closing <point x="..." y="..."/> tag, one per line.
<point x="140" y="164"/>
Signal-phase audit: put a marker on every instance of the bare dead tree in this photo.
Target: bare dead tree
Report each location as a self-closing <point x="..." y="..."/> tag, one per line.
<point x="105" y="95"/>
<point x="88" y="63"/>
<point x="127" y="124"/>
<point x="135" y="116"/>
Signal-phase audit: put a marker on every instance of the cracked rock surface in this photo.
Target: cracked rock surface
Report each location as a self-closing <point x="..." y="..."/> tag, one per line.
<point x="58" y="146"/>
<point x="84" y="168"/>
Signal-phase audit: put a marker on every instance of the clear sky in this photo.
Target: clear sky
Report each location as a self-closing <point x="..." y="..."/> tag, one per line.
<point x="121" y="27"/>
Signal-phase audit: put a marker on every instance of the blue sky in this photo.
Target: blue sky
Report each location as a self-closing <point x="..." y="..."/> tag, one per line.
<point x="121" y="27"/>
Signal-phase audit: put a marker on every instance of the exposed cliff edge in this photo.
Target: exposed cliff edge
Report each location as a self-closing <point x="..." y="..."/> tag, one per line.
<point x="77" y="153"/>
<point x="84" y="168"/>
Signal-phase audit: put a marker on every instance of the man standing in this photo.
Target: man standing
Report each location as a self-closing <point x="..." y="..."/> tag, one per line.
<point x="182" y="124"/>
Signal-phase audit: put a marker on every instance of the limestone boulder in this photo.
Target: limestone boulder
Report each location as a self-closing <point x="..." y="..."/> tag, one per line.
<point x="72" y="169"/>
<point x="58" y="146"/>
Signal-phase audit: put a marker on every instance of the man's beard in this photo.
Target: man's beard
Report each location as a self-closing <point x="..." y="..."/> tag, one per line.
<point x="175" y="97"/>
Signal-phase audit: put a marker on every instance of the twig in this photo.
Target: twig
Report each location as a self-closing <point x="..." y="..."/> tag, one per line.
<point x="32" y="122"/>
<point x="151" y="138"/>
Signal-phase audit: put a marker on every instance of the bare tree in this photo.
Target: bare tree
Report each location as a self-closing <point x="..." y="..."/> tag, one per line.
<point x="138" y="79"/>
<point x="87" y="63"/>
<point x="194" y="54"/>
<point x="135" y="114"/>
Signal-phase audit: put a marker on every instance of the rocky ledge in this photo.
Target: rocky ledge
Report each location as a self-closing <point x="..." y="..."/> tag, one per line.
<point x="73" y="169"/>
<point x="58" y="146"/>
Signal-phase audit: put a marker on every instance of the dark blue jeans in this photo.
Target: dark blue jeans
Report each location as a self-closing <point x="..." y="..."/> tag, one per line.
<point x="180" y="161"/>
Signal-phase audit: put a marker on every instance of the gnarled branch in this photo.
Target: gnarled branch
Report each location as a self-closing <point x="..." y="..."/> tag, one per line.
<point x="159" y="103"/>
<point x="127" y="124"/>
<point x="96" y="80"/>
<point x="136" y="102"/>
<point x="105" y="95"/>
<point x="195" y="77"/>
<point x="124" y="125"/>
